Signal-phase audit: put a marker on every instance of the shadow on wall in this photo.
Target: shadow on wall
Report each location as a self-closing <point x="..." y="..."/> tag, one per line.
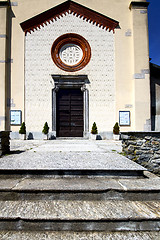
<point x="39" y="135"/>
<point x="33" y="135"/>
<point x="155" y="96"/>
<point x="30" y="136"/>
<point x="98" y="137"/>
<point x="52" y="137"/>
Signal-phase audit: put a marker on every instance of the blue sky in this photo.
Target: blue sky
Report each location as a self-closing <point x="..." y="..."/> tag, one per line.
<point x="154" y="30"/>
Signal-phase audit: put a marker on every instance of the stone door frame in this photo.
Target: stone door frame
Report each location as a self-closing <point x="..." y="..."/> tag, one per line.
<point x="71" y="81"/>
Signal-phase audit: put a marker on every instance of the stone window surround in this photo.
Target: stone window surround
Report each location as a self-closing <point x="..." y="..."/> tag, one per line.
<point x="71" y="81"/>
<point x="71" y="38"/>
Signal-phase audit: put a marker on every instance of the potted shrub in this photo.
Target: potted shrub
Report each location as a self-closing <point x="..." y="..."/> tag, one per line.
<point x="45" y="131"/>
<point x="22" y="131"/>
<point x="94" y="131"/>
<point x="116" y="131"/>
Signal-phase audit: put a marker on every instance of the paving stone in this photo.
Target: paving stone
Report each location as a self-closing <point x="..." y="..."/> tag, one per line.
<point x="77" y="184"/>
<point x="64" y="235"/>
<point x="59" y="154"/>
<point x="80" y="184"/>
<point x="80" y="210"/>
<point x="68" y="160"/>
<point x="8" y="184"/>
<point x="140" y="184"/>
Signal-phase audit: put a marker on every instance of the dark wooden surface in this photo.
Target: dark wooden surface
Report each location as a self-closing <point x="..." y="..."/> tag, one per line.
<point x="70" y="113"/>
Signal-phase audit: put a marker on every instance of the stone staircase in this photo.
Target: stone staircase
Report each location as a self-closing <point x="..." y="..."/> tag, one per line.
<point x="79" y="204"/>
<point x="70" y="189"/>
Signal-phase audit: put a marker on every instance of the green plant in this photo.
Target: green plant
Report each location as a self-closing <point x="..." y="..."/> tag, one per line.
<point x="94" y="129"/>
<point x="22" y="128"/>
<point x="45" y="128"/>
<point x="116" y="128"/>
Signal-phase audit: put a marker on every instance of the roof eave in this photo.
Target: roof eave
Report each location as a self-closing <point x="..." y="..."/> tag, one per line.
<point x="63" y="8"/>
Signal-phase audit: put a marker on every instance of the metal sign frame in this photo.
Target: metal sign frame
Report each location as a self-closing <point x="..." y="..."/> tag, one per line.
<point x="15" y="117"/>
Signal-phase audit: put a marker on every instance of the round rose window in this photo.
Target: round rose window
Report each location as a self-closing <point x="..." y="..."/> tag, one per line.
<point x="71" y="52"/>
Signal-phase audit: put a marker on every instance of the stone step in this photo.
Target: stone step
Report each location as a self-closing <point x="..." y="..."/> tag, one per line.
<point x="57" y="235"/>
<point x="77" y="195"/>
<point x="63" y="204"/>
<point x="49" y="187"/>
<point x="71" y="163"/>
<point x="80" y="226"/>
<point x="59" y="215"/>
<point x="125" y="173"/>
<point x="84" y="196"/>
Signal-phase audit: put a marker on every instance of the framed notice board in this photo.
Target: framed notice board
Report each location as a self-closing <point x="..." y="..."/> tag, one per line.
<point x="15" y="117"/>
<point x="124" y="118"/>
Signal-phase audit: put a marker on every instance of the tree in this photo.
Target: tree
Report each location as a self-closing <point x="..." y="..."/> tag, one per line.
<point x="45" y="128"/>
<point x="94" y="129"/>
<point x="116" y="128"/>
<point x="22" y="128"/>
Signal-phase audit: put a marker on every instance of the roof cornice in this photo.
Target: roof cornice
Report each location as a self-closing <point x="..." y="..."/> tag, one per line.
<point x="4" y="3"/>
<point x="69" y="7"/>
<point x="134" y="4"/>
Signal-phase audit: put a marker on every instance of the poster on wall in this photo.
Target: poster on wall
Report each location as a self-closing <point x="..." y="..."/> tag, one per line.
<point x="124" y="118"/>
<point x="15" y="117"/>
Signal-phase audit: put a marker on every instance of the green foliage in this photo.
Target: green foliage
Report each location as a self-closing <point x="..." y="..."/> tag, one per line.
<point x="94" y="129"/>
<point x="123" y="154"/>
<point x="116" y="128"/>
<point x="22" y="128"/>
<point x="45" y="128"/>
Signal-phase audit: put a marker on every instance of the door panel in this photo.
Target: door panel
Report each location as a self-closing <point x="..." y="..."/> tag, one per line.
<point x="70" y="113"/>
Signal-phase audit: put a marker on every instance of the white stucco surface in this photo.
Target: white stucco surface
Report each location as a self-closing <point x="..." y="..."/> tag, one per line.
<point x="39" y="67"/>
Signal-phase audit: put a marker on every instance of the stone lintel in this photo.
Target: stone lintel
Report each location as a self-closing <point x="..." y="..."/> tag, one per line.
<point x="138" y="5"/>
<point x="70" y="80"/>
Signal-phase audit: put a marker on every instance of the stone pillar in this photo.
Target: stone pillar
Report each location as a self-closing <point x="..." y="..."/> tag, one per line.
<point x="85" y="110"/>
<point x="54" y="92"/>
<point x="4" y="142"/>
<point x="3" y="61"/>
<point x="141" y="76"/>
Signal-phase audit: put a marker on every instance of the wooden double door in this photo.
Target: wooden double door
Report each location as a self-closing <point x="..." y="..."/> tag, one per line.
<point x="69" y="112"/>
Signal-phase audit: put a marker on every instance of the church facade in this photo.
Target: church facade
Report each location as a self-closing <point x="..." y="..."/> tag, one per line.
<point x="72" y="63"/>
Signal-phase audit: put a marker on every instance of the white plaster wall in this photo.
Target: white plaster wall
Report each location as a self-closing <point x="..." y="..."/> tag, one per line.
<point x="39" y="67"/>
